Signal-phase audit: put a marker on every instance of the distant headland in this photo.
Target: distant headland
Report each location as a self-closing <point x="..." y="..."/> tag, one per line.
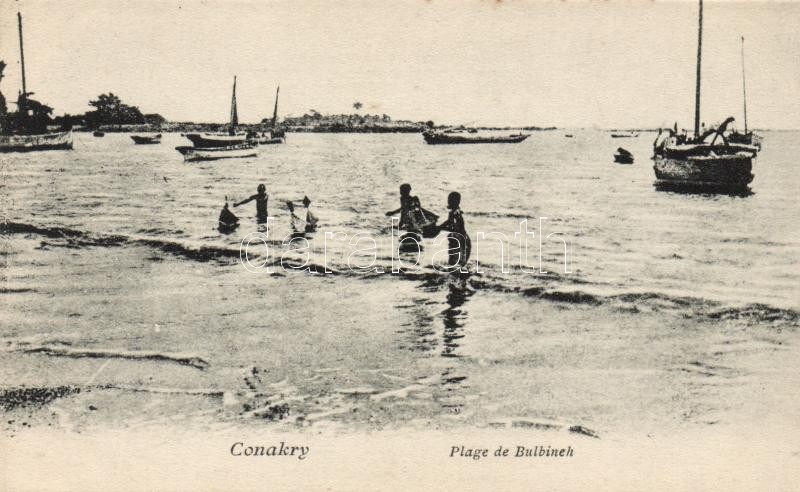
<point x="110" y="114"/>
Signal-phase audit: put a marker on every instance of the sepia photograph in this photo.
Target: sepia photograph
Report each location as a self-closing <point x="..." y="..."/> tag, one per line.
<point x="410" y="245"/>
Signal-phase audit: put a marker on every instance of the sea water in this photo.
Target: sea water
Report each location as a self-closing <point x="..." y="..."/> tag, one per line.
<point x="123" y="306"/>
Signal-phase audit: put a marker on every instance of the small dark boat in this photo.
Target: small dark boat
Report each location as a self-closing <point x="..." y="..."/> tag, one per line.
<point x="98" y="133"/>
<point x="146" y="139"/>
<point x="439" y="138"/>
<point x="624" y="135"/>
<point x="228" y="221"/>
<point x="623" y="156"/>
<point x="568" y="135"/>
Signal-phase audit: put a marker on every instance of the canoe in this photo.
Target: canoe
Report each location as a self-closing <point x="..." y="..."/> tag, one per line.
<point x="439" y="138"/>
<point x="146" y="139"/>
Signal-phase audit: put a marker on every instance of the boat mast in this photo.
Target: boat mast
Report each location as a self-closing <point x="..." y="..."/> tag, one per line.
<point x="275" y="112"/>
<point x="22" y="56"/>
<point x="697" y="89"/>
<point x="744" y="89"/>
<point x="234" y="114"/>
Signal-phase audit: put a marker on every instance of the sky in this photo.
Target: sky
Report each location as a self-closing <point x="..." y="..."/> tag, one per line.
<point x="598" y="64"/>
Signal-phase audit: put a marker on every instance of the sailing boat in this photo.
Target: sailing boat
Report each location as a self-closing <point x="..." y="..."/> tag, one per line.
<point x="232" y="137"/>
<point x="26" y="129"/>
<point x="707" y="161"/>
<point x="275" y="135"/>
<point x="213" y="146"/>
<point x="748" y="138"/>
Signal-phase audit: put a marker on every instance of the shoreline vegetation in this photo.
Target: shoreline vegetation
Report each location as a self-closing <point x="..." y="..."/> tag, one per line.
<point x="190" y="127"/>
<point x="309" y="123"/>
<point x="111" y="115"/>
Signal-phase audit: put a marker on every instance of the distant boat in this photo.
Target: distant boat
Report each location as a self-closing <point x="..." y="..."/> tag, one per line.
<point x="98" y="133"/>
<point x="29" y="143"/>
<point x="207" y="140"/>
<point x="227" y="139"/>
<point x="191" y="154"/>
<point x="623" y="156"/>
<point x="267" y="139"/>
<point x="434" y="137"/>
<point x="27" y="129"/>
<point x="747" y="138"/>
<point x="707" y="161"/>
<point x="624" y="135"/>
<point x="275" y="135"/>
<point x="568" y="135"/>
<point x="146" y="139"/>
<point x="210" y="147"/>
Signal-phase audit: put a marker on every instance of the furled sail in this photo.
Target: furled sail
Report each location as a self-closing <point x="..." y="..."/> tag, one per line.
<point x="234" y="113"/>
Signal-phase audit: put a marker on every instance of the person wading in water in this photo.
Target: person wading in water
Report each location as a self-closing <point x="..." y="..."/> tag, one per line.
<point x="261" y="203"/>
<point x="459" y="243"/>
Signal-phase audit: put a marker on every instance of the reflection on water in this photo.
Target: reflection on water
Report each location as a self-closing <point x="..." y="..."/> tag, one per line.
<point x="454" y="316"/>
<point x="419" y="327"/>
<point x="419" y="334"/>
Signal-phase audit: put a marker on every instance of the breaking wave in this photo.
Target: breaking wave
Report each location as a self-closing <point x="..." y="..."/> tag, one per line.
<point x="552" y="287"/>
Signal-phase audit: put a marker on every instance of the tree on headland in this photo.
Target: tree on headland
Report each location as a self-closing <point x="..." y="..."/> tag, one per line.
<point x="110" y="110"/>
<point x="154" y="119"/>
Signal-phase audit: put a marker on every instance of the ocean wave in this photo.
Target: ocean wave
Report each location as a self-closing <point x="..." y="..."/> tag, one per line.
<point x="182" y="359"/>
<point x="551" y="287"/>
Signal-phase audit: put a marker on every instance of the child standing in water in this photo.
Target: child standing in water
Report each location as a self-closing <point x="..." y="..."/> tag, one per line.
<point x="311" y="219"/>
<point x="406" y="203"/>
<point x="261" y="198"/>
<point x="298" y="223"/>
<point x="459" y="243"/>
<point x="303" y="223"/>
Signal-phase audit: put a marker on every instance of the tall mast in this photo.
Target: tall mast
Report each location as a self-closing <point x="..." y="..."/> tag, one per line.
<point x="697" y="89"/>
<point x="275" y="112"/>
<point x="22" y="56"/>
<point x="744" y="89"/>
<point x="234" y="113"/>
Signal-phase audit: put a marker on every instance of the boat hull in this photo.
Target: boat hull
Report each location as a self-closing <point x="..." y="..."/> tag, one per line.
<point x="713" y="173"/>
<point x="194" y="154"/>
<point x="269" y="141"/>
<point x="31" y="143"/>
<point x="208" y="140"/>
<point x="445" y="139"/>
<point x="749" y="138"/>
<point x="146" y="140"/>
